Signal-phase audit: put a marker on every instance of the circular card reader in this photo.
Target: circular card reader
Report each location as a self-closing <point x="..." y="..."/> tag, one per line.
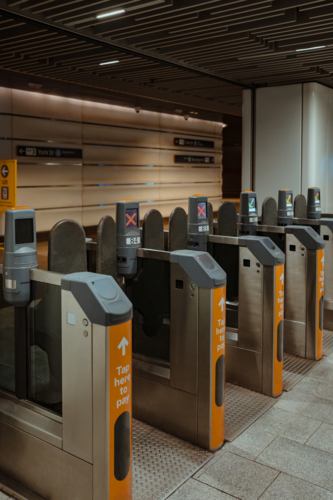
<point x="285" y="207"/>
<point x="198" y="222"/>
<point x="248" y="213"/>
<point x="314" y="203"/>
<point x="20" y="255"/>
<point x="128" y="237"/>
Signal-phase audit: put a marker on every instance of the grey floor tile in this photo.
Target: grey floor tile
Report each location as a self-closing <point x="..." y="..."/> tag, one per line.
<point x="251" y="443"/>
<point x="307" y="405"/>
<point x="324" y="369"/>
<point x="290" y="488"/>
<point x="322" y="438"/>
<point x="239" y="477"/>
<point x="299" y="460"/>
<point x="316" y="387"/>
<point x="287" y="424"/>
<point x="215" y="458"/>
<point x="194" y="490"/>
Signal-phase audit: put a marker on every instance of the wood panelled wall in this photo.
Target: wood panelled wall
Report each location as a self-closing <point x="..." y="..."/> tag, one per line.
<point x="125" y="155"/>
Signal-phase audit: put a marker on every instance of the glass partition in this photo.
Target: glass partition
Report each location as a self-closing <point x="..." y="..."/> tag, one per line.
<point x="44" y="319"/>
<point x="7" y="343"/>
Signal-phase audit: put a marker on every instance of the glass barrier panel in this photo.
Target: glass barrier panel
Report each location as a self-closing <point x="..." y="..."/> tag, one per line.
<point x="7" y="344"/>
<point x="44" y="319"/>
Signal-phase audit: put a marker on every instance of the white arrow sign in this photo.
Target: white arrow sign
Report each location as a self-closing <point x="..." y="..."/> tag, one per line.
<point x="282" y="278"/>
<point x="221" y="304"/>
<point x="123" y="344"/>
<point x="22" y="151"/>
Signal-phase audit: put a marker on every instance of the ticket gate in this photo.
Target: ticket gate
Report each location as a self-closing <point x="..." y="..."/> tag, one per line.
<point x="254" y="266"/>
<point x="255" y="297"/>
<point x="65" y="431"/>
<point x="178" y="324"/>
<point x="308" y="212"/>
<point x="304" y="276"/>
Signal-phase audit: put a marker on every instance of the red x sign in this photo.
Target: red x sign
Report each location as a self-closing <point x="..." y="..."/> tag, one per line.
<point x="131" y="220"/>
<point x="201" y="211"/>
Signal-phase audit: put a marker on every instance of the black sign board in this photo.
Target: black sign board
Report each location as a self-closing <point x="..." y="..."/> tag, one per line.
<point x="194" y="159"/>
<point x="4" y="193"/>
<point x="194" y="143"/>
<point x="42" y="152"/>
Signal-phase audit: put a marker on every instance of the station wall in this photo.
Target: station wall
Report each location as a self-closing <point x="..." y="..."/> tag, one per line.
<point x="125" y="155"/>
<point x="287" y="140"/>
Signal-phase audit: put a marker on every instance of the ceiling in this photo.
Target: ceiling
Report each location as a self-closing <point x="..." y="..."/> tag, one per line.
<point x="178" y="56"/>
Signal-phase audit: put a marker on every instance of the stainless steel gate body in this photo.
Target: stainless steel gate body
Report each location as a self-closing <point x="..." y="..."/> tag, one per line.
<point x="70" y="456"/>
<point x="304" y="252"/>
<point x="185" y="395"/>
<point x="254" y="357"/>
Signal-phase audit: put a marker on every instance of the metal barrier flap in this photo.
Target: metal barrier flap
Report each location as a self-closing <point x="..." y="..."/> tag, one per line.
<point x="178" y="237"/>
<point x="300" y="207"/>
<point x="106" y="259"/>
<point x="153" y="230"/>
<point x="67" y="248"/>
<point x="227" y="219"/>
<point x="269" y="212"/>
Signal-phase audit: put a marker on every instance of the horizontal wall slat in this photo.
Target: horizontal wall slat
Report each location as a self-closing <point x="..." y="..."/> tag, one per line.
<point x="127" y="175"/>
<point x="46" y="219"/>
<point x="58" y="131"/>
<point x="111" y="194"/>
<point x="50" y="197"/>
<point x="5" y="127"/>
<point x="46" y="106"/>
<point x="125" y="155"/>
<point x="48" y="175"/>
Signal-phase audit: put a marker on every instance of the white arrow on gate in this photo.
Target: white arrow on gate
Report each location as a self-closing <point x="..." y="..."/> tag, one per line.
<point x="282" y="278"/>
<point x="123" y="344"/>
<point x="221" y="304"/>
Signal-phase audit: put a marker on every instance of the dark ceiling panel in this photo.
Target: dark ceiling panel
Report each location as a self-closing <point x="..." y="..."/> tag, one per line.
<point x="173" y="54"/>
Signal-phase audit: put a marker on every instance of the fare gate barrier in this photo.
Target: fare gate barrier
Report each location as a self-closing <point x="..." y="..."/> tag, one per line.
<point x="308" y="212"/>
<point x="304" y="275"/>
<point x="178" y="324"/>
<point x="70" y="436"/>
<point x="254" y="299"/>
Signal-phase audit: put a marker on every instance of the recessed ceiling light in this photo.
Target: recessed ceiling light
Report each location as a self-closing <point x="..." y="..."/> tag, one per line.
<point x="110" y="62"/>
<point x="311" y="48"/>
<point x="113" y="13"/>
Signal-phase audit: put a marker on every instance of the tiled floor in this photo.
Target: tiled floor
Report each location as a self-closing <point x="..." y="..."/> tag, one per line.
<point x="286" y="454"/>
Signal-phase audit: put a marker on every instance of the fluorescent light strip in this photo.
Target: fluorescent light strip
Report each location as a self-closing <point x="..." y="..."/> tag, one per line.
<point x="111" y="13"/>
<point x="110" y="62"/>
<point x="312" y="48"/>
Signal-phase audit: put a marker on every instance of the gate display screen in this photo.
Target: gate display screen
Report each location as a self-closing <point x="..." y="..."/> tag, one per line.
<point x="289" y="200"/>
<point x="317" y="197"/>
<point x="252" y="205"/>
<point x="202" y="210"/>
<point x="131" y="218"/>
<point x="24" y="231"/>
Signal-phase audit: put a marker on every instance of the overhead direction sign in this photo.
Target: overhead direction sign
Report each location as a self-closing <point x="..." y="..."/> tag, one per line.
<point x="194" y="159"/>
<point x="8" y="184"/>
<point x="194" y="143"/>
<point x="44" y="152"/>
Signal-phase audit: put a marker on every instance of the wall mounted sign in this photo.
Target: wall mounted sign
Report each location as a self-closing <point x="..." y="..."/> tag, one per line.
<point x="194" y="159"/>
<point x="8" y="184"/>
<point x="194" y="143"/>
<point x="42" y="152"/>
